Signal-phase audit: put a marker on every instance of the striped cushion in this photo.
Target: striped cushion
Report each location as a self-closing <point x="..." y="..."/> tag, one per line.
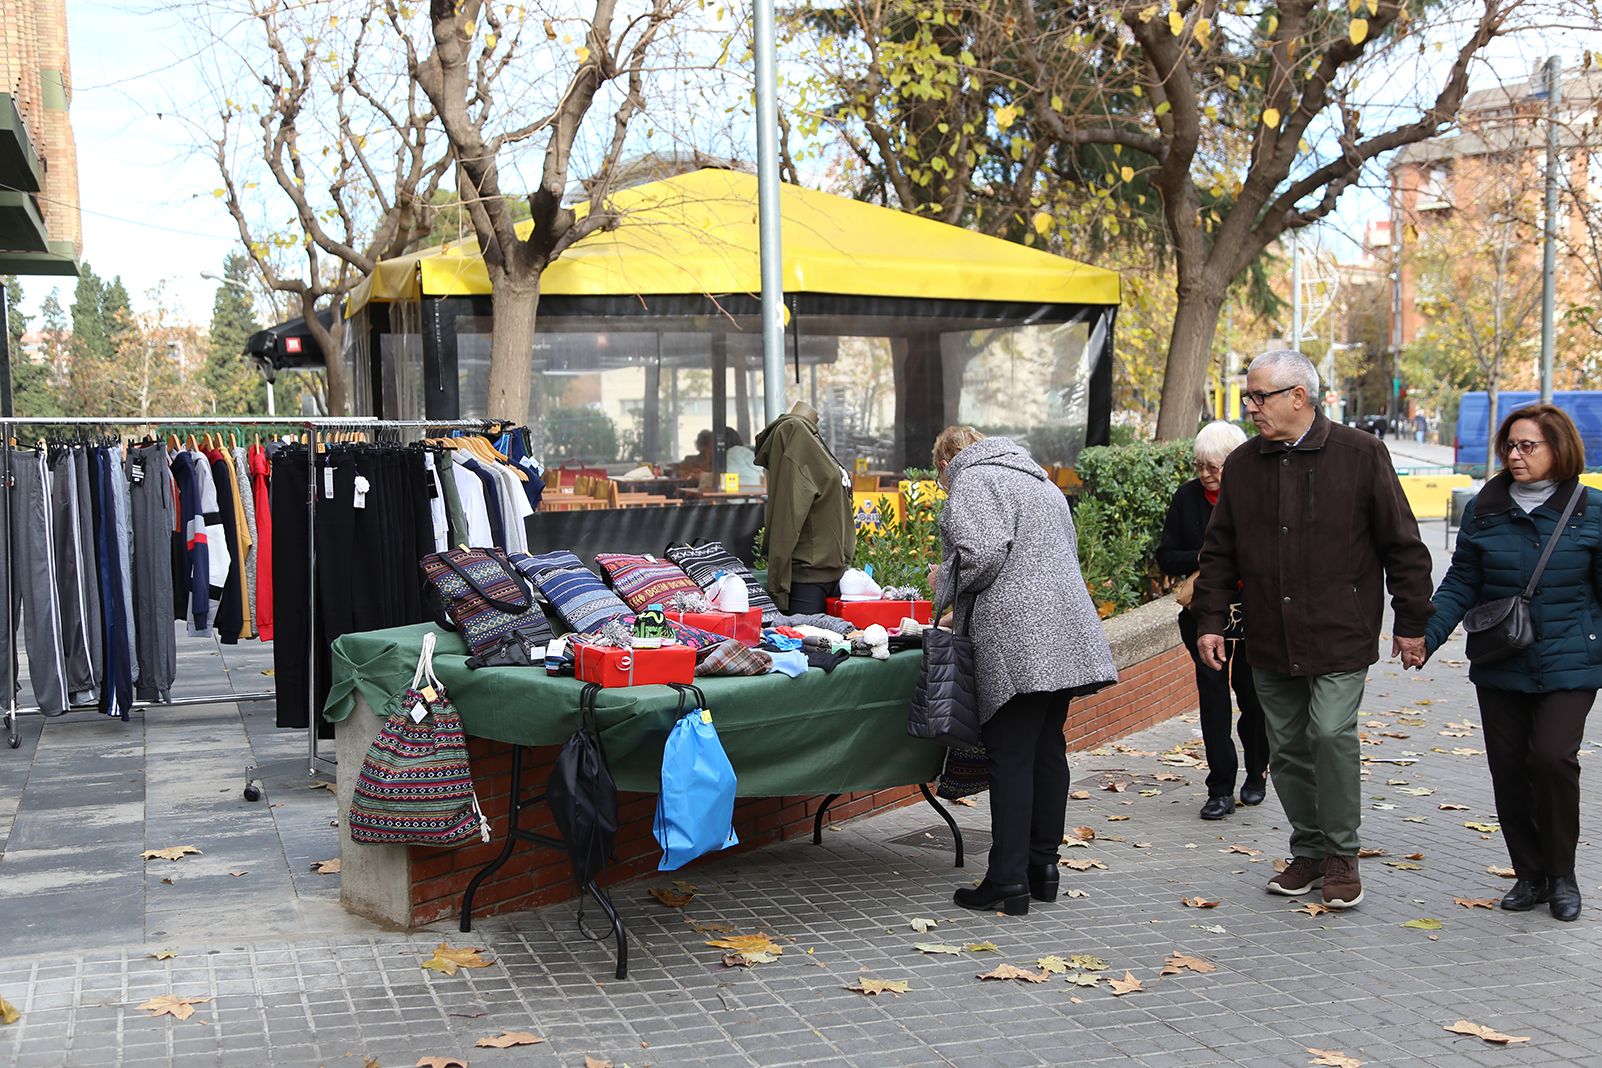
<point x="703" y="562"/>
<point x="581" y="599"/>
<point x="644" y="580"/>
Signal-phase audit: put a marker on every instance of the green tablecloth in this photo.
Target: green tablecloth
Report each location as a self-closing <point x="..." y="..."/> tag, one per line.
<point x="822" y="733"/>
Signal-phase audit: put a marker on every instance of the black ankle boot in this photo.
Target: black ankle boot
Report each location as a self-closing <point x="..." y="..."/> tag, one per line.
<point x="1043" y="879"/>
<point x="1011" y="898"/>
<point x="1527" y="893"/>
<point x="1253" y="792"/>
<point x="1565" y="903"/>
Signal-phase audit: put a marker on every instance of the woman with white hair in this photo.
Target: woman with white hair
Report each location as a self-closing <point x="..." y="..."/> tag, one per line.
<point x="1177" y="554"/>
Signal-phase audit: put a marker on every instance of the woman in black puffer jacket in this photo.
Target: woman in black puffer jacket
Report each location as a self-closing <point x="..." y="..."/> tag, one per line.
<point x="1533" y="705"/>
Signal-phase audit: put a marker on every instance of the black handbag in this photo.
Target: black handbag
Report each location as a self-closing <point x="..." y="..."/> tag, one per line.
<point x="1501" y="629"/>
<point x="583" y="795"/>
<point x="945" y="706"/>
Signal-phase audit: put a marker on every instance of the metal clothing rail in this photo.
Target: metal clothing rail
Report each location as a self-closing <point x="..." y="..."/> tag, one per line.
<point x="314" y="428"/>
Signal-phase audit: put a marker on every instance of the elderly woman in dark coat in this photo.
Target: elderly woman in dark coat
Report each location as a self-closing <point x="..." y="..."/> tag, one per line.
<point x="1533" y="705"/>
<point x="1037" y="643"/>
<point x="1177" y="554"/>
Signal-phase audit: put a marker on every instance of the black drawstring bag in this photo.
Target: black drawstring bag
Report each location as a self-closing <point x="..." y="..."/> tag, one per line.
<point x="945" y="706"/>
<point x="583" y="795"/>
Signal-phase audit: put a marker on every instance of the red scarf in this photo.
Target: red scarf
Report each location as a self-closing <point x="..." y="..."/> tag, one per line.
<point x="1211" y="495"/>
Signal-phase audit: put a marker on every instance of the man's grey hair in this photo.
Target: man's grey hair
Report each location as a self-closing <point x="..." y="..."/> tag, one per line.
<point x="1287" y="367"/>
<point x="1217" y="440"/>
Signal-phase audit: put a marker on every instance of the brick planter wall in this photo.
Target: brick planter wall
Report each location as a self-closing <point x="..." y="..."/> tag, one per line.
<point x="418" y="885"/>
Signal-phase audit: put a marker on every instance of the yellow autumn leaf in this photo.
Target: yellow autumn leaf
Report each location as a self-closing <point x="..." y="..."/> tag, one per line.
<point x="171" y="1005"/>
<point x="1056" y="102"/>
<point x="1176" y="23"/>
<point x="875" y="987"/>
<point x="1006" y="116"/>
<point x="170" y="853"/>
<point x="582" y="53"/>
<point x="447" y="960"/>
<point x="489" y="40"/>
<point x="1271" y="118"/>
<point x="1204" y="31"/>
<point x="1357" y="31"/>
<point x="8" y="1012"/>
<point x="1043" y="223"/>
<point x="1373" y="7"/>
<point x="1148" y="13"/>
<point x="1127" y="173"/>
<point x="469" y="27"/>
<point x="1273" y="24"/>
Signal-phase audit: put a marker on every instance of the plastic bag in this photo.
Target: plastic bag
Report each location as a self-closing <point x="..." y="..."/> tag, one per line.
<point x="695" y="808"/>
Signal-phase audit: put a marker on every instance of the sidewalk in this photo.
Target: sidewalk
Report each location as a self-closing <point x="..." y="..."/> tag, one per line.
<point x="1284" y="982"/>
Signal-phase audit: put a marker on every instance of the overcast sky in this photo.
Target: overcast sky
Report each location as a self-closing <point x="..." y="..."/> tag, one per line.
<point x="148" y="210"/>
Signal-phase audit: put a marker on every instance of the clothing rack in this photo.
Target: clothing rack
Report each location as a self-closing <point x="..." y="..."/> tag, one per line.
<point x="314" y="428"/>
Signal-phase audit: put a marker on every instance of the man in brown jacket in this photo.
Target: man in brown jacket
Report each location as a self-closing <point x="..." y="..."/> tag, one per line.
<point x="1311" y="519"/>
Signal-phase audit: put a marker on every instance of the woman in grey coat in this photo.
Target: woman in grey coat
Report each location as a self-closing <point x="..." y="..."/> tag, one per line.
<point x="1037" y="643"/>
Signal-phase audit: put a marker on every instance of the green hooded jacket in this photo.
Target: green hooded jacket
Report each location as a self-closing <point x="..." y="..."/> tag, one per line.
<point x="810" y="533"/>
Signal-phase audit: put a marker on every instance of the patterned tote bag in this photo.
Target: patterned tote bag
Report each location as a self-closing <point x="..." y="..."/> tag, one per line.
<point x="415" y="785"/>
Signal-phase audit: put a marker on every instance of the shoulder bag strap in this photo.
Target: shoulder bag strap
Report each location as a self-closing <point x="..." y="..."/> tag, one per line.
<point x="1551" y="543"/>
<point x="425" y="665"/>
<point x="511" y="572"/>
<point x="967" y="614"/>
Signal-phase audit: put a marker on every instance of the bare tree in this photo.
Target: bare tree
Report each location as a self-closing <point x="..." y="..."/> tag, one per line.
<point x="343" y="136"/>
<point x="460" y="66"/>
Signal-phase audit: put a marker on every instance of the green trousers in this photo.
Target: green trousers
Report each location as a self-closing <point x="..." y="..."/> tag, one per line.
<point x="1313" y="755"/>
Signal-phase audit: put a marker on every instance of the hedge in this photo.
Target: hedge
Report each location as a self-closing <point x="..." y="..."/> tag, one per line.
<point x="1119" y="514"/>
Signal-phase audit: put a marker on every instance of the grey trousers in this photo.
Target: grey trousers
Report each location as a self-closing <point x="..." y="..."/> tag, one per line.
<point x="71" y="593"/>
<point x="150" y="487"/>
<point x="33" y="580"/>
<point x="89" y="571"/>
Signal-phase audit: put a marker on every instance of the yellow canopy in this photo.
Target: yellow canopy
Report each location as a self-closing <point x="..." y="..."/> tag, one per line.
<point x="696" y="233"/>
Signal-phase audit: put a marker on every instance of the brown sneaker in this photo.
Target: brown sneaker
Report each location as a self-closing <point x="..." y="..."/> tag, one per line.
<point x="1300" y="876"/>
<point x="1343" y="888"/>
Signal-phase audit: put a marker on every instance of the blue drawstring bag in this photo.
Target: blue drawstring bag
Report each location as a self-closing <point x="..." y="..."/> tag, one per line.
<point x="695" y="808"/>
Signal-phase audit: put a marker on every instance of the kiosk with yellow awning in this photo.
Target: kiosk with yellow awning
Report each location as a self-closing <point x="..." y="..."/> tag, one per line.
<point x="649" y="334"/>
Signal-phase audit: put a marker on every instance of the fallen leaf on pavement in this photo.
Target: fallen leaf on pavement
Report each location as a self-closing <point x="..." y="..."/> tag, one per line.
<point x="1463" y="1027"/>
<point x="1333" y="1058"/>
<point x="8" y="1012"/>
<point x="330" y="787"/>
<point x="1403" y="865"/>
<point x="170" y="853"/>
<point x="718" y="926"/>
<point x="508" y="1039"/>
<point x="1427" y="923"/>
<point x="1416" y="819"/>
<point x="1116" y="819"/>
<point x="171" y="1005"/>
<point x="1079" y="795"/>
<point x="1198" y="903"/>
<point x="239" y="874"/>
<point x="1365" y="853"/>
<point x="966" y="802"/>
<point x="1244" y="851"/>
<point x="1083" y="865"/>
<point x="1178" y="962"/>
<point x="1053" y="964"/>
<point x="1313" y="908"/>
<point x="447" y="960"/>
<point x="1114" y="787"/>
<point x="326" y="867"/>
<point x="1141" y="845"/>
<point x="448" y="1062"/>
<point x="1464" y="751"/>
<point x="1483" y="828"/>
<point x="1127" y="985"/>
<point x="875" y="987"/>
<point x="937" y="947"/>
<point x="1210" y="928"/>
<point x="1506" y="873"/>
<point x="590" y="1062"/>
<point x="982" y="947"/>
<point x="1416" y="791"/>
<point x="1086" y="963"/>
<point x="1415" y="856"/>
<point x="751" y="945"/>
<point x="1163" y="776"/>
<point x="1475" y="902"/>
<point x="922" y="925"/>
<point x="1084" y="834"/>
<point x="673" y="899"/>
<point x="1151" y="793"/>
<point x="745" y="960"/>
<point x="1071" y="891"/>
<point x="1084" y="979"/>
<point x="1008" y="971"/>
<point x="1447" y="806"/>
<point x="1281" y="864"/>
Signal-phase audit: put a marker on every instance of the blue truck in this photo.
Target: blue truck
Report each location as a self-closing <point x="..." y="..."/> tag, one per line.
<point x="1474" y="430"/>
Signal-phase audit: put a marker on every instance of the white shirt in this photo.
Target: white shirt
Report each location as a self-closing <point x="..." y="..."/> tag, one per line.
<point x="471" y="490"/>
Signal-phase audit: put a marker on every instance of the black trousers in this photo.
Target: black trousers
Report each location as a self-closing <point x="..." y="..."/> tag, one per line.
<point x="807" y="598"/>
<point x="1532" y="742"/>
<point x="1028" y="783"/>
<point x="1212" y="698"/>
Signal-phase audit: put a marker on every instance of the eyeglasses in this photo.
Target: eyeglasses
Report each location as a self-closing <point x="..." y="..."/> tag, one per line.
<point x="1260" y="397"/>
<point x="1204" y="468"/>
<point x="1524" y="447"/>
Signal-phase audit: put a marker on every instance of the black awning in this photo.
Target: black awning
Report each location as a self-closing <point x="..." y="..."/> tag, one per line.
<point x="288" y="345"/>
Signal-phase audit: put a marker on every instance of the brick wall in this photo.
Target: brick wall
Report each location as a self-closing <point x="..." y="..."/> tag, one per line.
<point x="34" y="68"/>
<point x="1147" y="693"/>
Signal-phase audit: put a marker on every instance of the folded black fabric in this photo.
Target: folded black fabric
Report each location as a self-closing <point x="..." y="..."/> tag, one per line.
<point x="823" y="658"/>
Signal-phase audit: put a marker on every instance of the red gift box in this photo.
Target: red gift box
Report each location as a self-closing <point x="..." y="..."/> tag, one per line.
<point x="610" y="666"/>
<point x="888" y="614"/>
<point x="744" y="626"/>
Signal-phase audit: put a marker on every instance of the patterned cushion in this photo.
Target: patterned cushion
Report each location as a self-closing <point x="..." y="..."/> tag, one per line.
<point x="703" y="562"/>
<point x="581" y="599"/>
<point x="643" y="580"/>
<point x="532" y="567"/>
<point x="733" y="658"/>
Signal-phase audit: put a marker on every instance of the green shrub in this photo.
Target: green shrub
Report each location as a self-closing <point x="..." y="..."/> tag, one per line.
<point x="901" y="550"/>
<point x="1119" y="516"/>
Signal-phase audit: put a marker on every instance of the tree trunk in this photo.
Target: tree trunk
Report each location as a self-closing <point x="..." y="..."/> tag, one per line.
<point x="516" y="303"/>
<point x="1190" y="350"/>
<point x="337" y="375"/>
<point x="1493" y="400"/>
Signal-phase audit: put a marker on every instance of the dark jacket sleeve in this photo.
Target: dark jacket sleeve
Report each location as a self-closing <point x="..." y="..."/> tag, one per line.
<point x="1460" y="589"/>
<point x="1175" y="556"/>
<point x="1219" y="574"/>
<point x="1401" y="551"/>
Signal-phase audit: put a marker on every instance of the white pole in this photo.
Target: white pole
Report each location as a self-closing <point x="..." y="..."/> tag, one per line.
<point x="770" y="238"/>
<point x="1296" y="292"/>
<point x="1549" y="252"/>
